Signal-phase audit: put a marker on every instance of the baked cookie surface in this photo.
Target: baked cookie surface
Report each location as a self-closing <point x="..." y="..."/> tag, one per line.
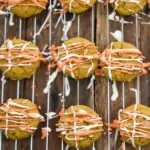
<point x="19" y="59"/>
<point x="77" y="6"/>
<point x="134" y="125"/>
<point x="79" y="126"/>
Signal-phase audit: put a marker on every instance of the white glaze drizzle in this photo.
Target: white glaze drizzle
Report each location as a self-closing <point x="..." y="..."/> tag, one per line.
<point x="136" y="95"/>
<point x="115" y="18"/>
<point x="11" y="22"/>
<point x="52" y="77"/>
<point x="123" y="68"/>
<point x="90" y="68"/>
<point x="67" y="147"/>
<point x="67" y="86"/>
<point x="114" y="91"/>
<point x="91" y="81"/>
<point x="3" y="75"/>
<point x="25" y="45"/>
<point x="51" y="115"/>
<point x="47" y="129"/>
<point x="66" y="26"/>
<point x="51" y="6"/>
<point x="4" y="12"/>
<point x="70" y="4"/>
<point x="118" y="35"/>
<point x="11" y="103"/>
<point x="70" y="64"/>
<point x="109" y="58"/>
<point x="6" y="123"/>
<point x="77" y="56"/>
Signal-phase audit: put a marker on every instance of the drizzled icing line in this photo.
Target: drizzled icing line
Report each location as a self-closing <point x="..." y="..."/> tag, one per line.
<point x="64" y="58"/>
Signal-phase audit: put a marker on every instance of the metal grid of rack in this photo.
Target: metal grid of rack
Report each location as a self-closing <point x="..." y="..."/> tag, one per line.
<point x="48" y="96"/>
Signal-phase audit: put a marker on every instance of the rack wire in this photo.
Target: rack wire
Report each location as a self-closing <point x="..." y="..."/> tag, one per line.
<point x="78" y="81"/>
<point x="108" y="85"/>
<point x="138" y="101"/>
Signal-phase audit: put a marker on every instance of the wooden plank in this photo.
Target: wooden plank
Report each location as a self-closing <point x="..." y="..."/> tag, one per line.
<point x="86" y="98"/>
<point x="101" y="91"/>
<point x="39" y="97"/>
<point x="101" y="102"/>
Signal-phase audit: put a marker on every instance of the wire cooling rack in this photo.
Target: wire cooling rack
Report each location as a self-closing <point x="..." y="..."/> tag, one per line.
<point x="77" y="86"/>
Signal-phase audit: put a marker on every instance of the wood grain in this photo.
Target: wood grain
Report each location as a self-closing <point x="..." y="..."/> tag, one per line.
<point x="100" y="96"/>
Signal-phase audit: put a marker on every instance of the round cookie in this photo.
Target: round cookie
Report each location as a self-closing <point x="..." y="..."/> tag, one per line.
<point x="26" y="8"/>
<point x="77" y="6"/>
<point x="19" y="118"/>
<point x="77" y="58"/>
<point x="136" y="120"/>
<point x="79" y="126"/>
<point x="19" y="59"/>
<point x="126" y="7"/>
<point x="121" y="61"/>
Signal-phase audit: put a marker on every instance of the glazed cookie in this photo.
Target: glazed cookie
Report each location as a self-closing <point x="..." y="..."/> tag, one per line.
<point x="26" y="8"/>
<point x="122" y="61"/>
<point x="134" y="125"/>
<point x="19" y="59"/>
<point x="79" y="126"/>
<point x="129" y="7"/>
<point x="77" y="58"/>
<point x="77" y="6"/>
<point x="19" y="118"/>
